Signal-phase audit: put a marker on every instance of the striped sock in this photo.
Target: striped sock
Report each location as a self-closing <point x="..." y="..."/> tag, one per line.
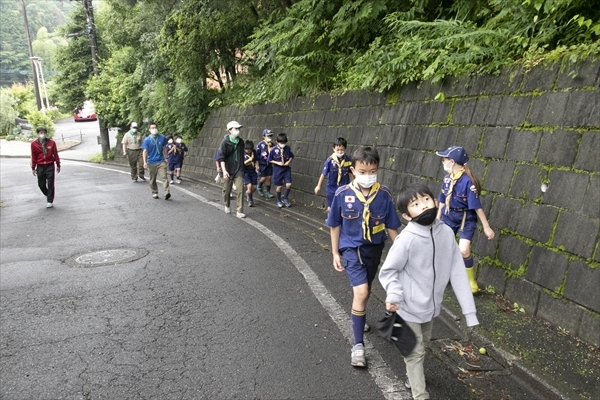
<point x="358" y="318"/>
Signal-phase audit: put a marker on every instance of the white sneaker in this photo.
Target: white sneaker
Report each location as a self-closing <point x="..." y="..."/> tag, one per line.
<point x="49" y="205"/>
<point x="171" y="182"/>
<point x="358" y="358"/>
<point x="241" y="215"/>
<point x="227" y="210"/>
<point x="177" y="181"/>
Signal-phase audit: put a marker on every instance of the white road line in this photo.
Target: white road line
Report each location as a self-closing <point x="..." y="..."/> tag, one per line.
<point x="384" y="377"/>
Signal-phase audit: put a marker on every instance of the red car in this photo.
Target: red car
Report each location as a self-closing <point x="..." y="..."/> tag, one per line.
<point x="85" y="113"/>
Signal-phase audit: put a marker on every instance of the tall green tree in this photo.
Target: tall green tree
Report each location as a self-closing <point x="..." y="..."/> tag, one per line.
<point x="75" y="60"/>
<point x="14" y="55"/>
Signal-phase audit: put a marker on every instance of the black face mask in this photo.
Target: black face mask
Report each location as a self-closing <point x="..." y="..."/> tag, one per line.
<point x="426" y="217"/>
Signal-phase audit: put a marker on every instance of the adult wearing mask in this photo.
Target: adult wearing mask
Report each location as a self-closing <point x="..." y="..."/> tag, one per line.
<point x="231" y="159"/>
<point x="44" y="155"/>
<point x="155" y="160"/>
<point x="132" y="149"/>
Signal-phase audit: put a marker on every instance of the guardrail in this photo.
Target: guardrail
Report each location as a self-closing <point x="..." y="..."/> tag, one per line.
<point x="80" y="136"/>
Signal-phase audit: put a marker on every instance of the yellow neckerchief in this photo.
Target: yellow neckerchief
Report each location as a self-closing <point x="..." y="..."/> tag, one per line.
<point x="339" y="163"/>
<point x="282" y="156"/>
<point x="250" y="159"/>
<point x="453" y="179"/>
<point x="366" y="212"/>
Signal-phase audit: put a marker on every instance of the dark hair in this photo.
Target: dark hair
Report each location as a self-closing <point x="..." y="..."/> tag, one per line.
<point x="281" y="138"/>
<point x="409" y="193"/>
<point x="366" y="155"/>
<point x="169" y="137"/>
<point x="152" y="123"/>
<point x="41" y="128"/>
<point x="248" y="144"/>
<point x="340" y="142"/>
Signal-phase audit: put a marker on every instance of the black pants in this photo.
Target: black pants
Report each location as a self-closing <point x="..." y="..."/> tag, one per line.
<point x="45" y="176"/>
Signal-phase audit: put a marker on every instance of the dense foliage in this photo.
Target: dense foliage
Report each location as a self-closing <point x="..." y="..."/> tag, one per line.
<point x="171" y="60"/>
<point x="14" y="55"/>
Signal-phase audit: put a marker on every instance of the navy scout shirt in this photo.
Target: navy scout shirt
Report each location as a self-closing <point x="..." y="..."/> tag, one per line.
<point x="346" y="212"/>
<point x="330" y="170"/>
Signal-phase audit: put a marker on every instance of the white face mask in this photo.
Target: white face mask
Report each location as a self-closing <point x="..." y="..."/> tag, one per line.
<point x="170" y="141"/>
<point x="281" y="145"/>
<point x="154" y="132"/>
<point x="268" y="139"/>
<point x="366" y="181"/>
<point x="235" y="134"/>
<point x="42" y="137"/>
<point x="133" y="129"/>
<point x="178" y="140"/>
<point x="447" y="166"/>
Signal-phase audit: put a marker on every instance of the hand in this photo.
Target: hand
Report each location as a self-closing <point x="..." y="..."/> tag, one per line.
<point x="391" y="307"/>
<point x="337" y="263"/>
<point x="225" y="174"/>
<point x="317" y="189"/>
<point x="58" y="170"/>
<point x="489" y="233"/>
<point x="124" y="154"/>
<point x="145" y="165"/>
<point x="34" y="172"/>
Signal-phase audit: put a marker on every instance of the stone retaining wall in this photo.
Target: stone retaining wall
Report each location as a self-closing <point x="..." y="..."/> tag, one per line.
<point x="520" y="130"/>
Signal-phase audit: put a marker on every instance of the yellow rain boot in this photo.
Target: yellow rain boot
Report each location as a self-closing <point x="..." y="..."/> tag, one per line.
<point x="472" y="280"/>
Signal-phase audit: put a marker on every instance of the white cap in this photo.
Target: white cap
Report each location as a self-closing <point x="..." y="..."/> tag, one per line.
<point x="134" y="125"/>
<point x="233" y="124"/>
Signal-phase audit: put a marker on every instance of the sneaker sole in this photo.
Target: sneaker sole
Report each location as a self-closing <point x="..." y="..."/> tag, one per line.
<point x="359" y="364"/>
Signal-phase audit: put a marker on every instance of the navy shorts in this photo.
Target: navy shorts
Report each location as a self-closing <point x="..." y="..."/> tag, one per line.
<point x="175" y="165"/>
<point x="265" y="170"/>
<point x="281" y="175"/>
<point x="250" y="178"/>
<point x="329" y="198"/>
<point x="455" y="221"/>
<point x="362" y="263"/>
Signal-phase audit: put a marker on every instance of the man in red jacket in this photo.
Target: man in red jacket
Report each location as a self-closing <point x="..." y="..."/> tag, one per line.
<point x="43" y="156"/>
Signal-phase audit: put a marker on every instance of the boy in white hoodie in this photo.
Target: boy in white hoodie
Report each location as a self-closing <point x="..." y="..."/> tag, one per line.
<point x="418" y="267"/>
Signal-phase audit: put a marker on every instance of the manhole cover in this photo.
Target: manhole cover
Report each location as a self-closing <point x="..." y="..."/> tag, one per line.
<point x="106" y="257"/>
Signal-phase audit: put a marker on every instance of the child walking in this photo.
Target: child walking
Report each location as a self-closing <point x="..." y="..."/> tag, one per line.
<point x="361" y="218"/>
<point x="281" y="157"/>
<point x="182" y="152"/>
<point x="263" y="149"/>
<point x="337" y="170"/>
<point x="416" y="271"/>
<point x="460" y="205"/>
<point x="250" y="168"/>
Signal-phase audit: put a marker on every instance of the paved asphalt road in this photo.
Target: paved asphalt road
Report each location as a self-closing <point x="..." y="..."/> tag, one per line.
<point x="217" y="308"/>
<point x="87" y="132"/>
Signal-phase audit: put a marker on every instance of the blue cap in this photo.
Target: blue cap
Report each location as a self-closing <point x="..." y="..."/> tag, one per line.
<point x="267" y="132"/>
<point x="456" y="153"/>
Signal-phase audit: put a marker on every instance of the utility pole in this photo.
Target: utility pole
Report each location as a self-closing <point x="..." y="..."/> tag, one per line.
<point x="91" y="31"/>
<point x="36" y="85"/>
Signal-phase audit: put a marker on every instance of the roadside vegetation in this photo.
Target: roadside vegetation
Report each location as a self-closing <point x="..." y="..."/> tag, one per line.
<point x="171" y="61"/>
